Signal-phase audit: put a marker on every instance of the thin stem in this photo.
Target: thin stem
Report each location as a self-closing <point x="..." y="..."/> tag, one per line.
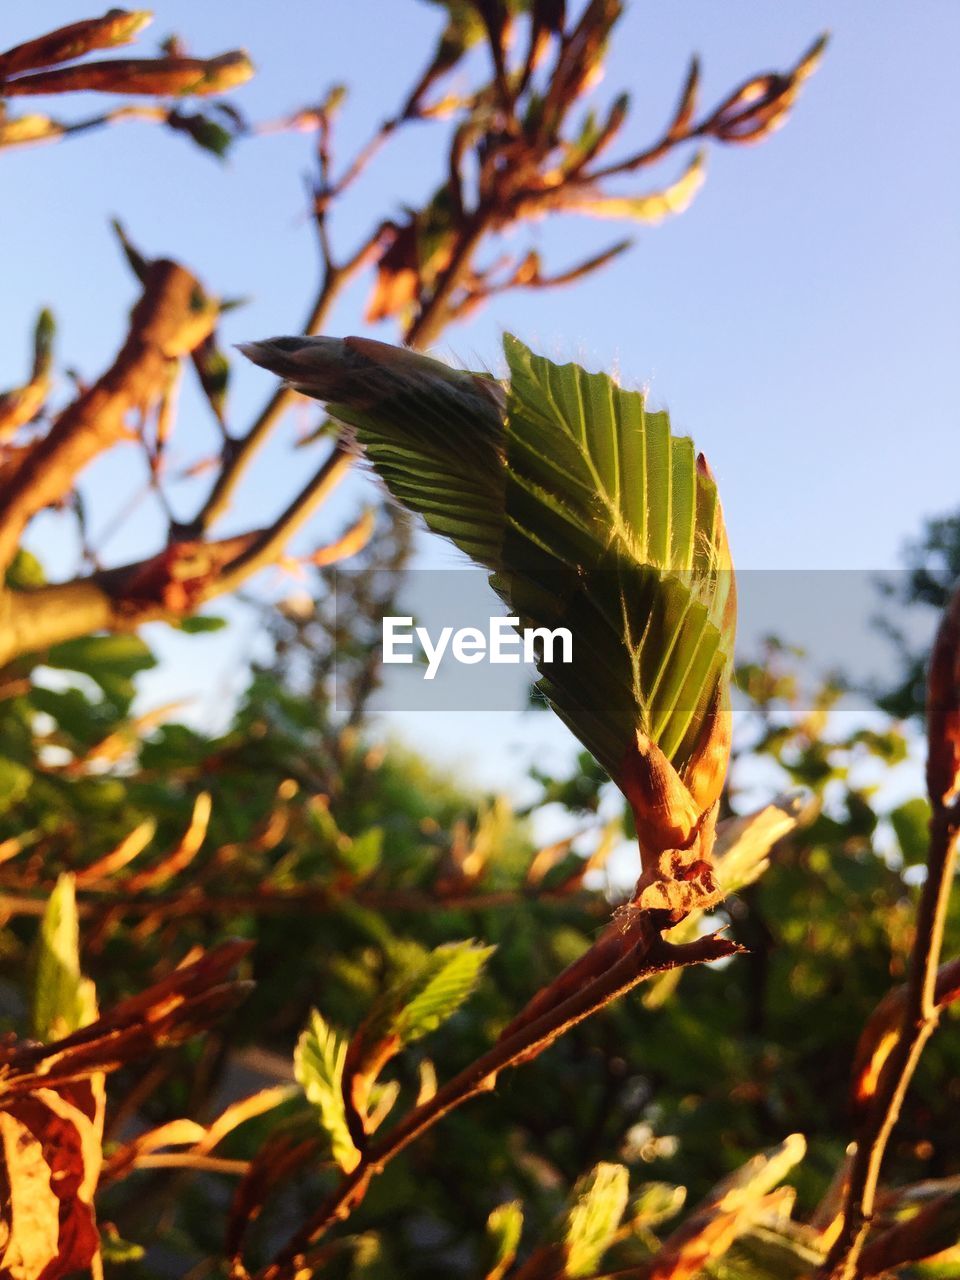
<point x="239" y="454"/>
<point x="921" y="1011"/>
<point x="434" y="314"/>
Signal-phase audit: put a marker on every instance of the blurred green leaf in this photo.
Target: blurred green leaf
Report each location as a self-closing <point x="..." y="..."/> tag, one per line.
<point x="597" y="1204"/>
<point x="25" y="570"/>
<point x="911" y="823"/>
<point x="63" y="1000"/>
<point x="112" y="661"/>
<point x="201" y="623"/>
<point x="15" y="782"/>
<point x="504" y="1226"/>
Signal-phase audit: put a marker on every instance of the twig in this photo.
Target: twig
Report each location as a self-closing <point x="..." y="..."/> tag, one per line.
<point x="308" y="900"/>
<point x="183" y="576"/>
<point x="167" y="322"/>
<point x="481" y="1076"/>
<point x="921" y="1011"/>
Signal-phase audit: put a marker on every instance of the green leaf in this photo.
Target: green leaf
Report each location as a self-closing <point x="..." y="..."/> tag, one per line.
<point x="650" y="208"/>
<point x="615" y="531"/>
<point x="434" y="993"/>
<point x="318" y="1066"/>
<point x="911" y="823"/>
<point x="656" y="1202"/>
<point x="15" y="782"/>
<point x="213" y="370"/>
<point x="206" y="133"/>
<point x="591" y="514"/>
<point x="504" y="1226"/>
<point x="201" y="623"/>
<point x="63" y="1000"/>
<point x="25" y="571"/>
<point x="116" y="1250"/>
<point x="363" y="853"/>
<point x="112" y="661"/>
<point x="43" y="336"/>
<point x="597" y="1204"/>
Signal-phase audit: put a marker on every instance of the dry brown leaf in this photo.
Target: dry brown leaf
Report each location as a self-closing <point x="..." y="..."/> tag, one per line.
<point x="161" y="77"/>
<point x="116" y="27"/>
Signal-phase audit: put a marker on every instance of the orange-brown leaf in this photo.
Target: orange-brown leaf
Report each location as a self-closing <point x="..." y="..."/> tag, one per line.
<point x="156" y="77"/>
<point x="116" y="27"/>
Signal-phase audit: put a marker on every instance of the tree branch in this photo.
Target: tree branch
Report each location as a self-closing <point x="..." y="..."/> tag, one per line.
<point x="649" y="957"/>
<point x="172" y="316"/>
<point x="170" y="585"/>
<point x="921" y="1011"/>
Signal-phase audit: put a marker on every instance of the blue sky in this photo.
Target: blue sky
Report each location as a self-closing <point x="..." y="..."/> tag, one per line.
<point x="800" y="321"/>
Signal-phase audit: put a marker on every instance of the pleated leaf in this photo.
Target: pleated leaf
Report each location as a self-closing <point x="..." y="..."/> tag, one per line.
<point x="318" y="1066"/>
<point x="589" y="512"/>
<point x="614" y="530"/>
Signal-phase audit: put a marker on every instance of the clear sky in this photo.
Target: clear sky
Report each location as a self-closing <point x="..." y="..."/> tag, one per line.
<point x="800" y="321"/>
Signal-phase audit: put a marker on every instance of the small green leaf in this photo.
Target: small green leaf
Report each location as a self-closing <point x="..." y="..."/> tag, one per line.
<point x="318" y="1066"/>
<point x="213" y="370"/>
<point x="597" y="1204"/>
<point x="437" y="991"/>
<point x="363" y="853"/>
<point x="15" y="782"/>
<point x="201" y="623"/>
<point x="504" y="1226"/>
<point x="206" y="133"/>
<point x="911" y="823"/>
<point x="43" y="343"/>
<point x="112" y="661"/>
<point x="116" y="1250"/>
<point x="25" y="571"/>
<point x="654" y="1203"/>
<point x="63" y="1000"/>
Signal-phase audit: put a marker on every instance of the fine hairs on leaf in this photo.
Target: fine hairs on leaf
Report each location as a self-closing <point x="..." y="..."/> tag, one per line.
<point x="591" y="515"/>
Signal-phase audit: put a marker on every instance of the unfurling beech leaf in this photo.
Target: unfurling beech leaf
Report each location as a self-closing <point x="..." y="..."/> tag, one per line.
<point x="504" y="1226"/>
<point x="592" y="516"/>
<point x="318" y="1066"/>
<point x="63" y="1000"/>
<point x="597" y="1204"/>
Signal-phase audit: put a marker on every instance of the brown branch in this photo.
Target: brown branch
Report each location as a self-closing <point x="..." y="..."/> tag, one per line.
<point x="171" y="318"/>
<point x="435" y="311"/>
<point x="642" y="961"/>
<point x="920" y="1011"/>
<point x="266" y="546"/>
<point x="238" y="454"/>
<point x="166" y="587"/>
<point x="308" y="900"/>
